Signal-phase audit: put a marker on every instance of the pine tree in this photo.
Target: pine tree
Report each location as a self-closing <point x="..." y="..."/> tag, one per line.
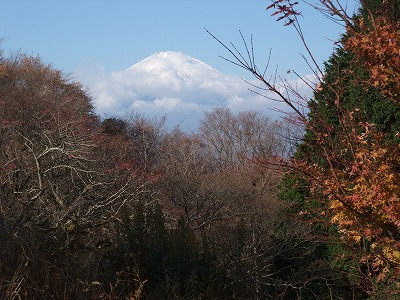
<point x="346" y="101"/>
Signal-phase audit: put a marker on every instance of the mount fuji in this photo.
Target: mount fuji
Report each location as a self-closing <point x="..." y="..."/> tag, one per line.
<point x="174" y="85"/>
<point x="175" y="78"/>
<point x="183" y="65"/>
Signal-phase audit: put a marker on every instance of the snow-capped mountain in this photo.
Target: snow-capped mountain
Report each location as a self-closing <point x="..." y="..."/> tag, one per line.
<point x="172" y="84"/>
<point x="177" y="75"/>
<point x="184" y="66"/>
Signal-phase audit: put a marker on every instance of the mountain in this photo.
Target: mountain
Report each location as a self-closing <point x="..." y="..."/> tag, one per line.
<point x="174" y="74"/>
<point x="172" y="84"/>
<point x="182" y="65"/>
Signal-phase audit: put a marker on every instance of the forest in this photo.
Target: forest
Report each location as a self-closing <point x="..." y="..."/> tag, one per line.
<point x="246" y="207"/>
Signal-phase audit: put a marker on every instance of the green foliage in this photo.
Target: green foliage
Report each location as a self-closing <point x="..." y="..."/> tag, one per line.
<point x="227" y="245"/>
<point x="114" y="126"/>
<point x="343" y="92"/>
<point x="390" y="8"/>
<point x="171" y="261"/>
<point x="345" y="76"/>
<point x="294" y="191"/>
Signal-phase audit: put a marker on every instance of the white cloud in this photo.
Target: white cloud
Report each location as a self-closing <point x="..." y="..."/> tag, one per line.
<point x="181" y="89"/>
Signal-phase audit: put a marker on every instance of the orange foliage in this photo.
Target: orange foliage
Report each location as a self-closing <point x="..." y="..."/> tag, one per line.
<point x="378" y="47"/>
<point x="361" y="190"/>
<point x="358" y="180"/>
<point x="362" y="183"/>
<point x="364" y="199"/>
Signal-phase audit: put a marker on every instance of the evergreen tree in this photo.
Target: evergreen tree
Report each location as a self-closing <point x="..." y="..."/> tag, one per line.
<point x="345" y="80"/>
<point x="183" y="256"/>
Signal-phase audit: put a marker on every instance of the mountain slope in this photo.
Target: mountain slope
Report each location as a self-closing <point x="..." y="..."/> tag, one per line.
<point x="173" y="84"/>
<point x="183" y="65"/>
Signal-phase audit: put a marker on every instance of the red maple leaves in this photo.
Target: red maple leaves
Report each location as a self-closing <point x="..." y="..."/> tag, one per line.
<point x="284" y="8"/>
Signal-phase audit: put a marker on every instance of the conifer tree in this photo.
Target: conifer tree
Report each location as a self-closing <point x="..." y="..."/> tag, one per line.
<point x="347" y="166"/>
<point x="356" y="107"/>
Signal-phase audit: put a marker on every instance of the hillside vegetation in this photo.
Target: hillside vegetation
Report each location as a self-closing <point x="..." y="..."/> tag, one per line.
<point x="245" y="207"/>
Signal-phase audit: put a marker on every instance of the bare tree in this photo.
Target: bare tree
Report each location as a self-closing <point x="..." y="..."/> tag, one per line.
<point x="234" y="140"/>
<point x="343" y="159"/>
<point x="62" y="181"/>
<point x="208" y="195"/>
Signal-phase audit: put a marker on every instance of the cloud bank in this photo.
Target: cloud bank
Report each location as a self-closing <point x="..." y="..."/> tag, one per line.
<point x="174" y="85"/>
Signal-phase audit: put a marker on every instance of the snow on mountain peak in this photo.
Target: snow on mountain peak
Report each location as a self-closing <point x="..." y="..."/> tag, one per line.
<point x="167" y="53"/>
<point x="174" y="84"/>
<point x="183" y="65"/>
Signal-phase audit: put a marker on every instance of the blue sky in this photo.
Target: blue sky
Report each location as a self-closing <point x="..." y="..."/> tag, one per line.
<point x="117" y="34"/>
<point x="100" y="38"/>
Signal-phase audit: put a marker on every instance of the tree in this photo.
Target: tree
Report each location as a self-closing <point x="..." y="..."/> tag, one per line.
<point x="345" y="161"/>
<point x="62" y="182"/>
<point x="147" y="136"/>
<point x="234" y="140"/>
<point x="211" y="186"/>
<point x="350" y="99"/>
